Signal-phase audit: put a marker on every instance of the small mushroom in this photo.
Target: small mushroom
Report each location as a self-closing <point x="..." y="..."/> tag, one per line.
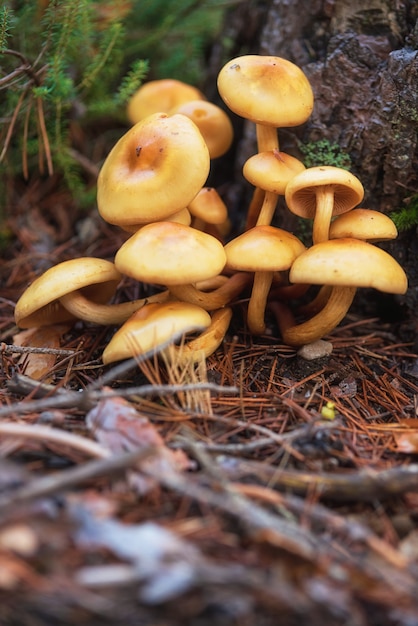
<point x="153" y="171"/>
<point x="208" y="208"/>
<point x="179" y="256"/>
<point x="152" y="327"/>
<point x="213" y="123"/>
<point x="365" y="224"/>
<point x="262" y="250"/>
<point x="271" y="172"/>
<point x="75" y="289"/>
<point x="160" y="96"/>
<point x="319" y="193"/>
<point x="344" y="264"/>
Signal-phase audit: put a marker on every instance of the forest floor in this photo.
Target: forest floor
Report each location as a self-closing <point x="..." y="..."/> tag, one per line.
<point x="228" y="493"/>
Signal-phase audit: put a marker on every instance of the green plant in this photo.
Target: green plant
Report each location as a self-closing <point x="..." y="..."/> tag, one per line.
<point x="406" y="217"/>
<point x="66" y="64"/>
<point x="57" y="64"/>
<point x="324" y="152"/>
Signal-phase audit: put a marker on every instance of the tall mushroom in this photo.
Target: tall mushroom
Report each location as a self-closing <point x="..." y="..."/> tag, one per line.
<point x="271" y="92"/>
<point x="153" y="171"/>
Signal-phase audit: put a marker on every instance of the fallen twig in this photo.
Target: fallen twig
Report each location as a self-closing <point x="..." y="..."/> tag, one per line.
<point x="60" y="481"/>
<point x="364" y="485"/>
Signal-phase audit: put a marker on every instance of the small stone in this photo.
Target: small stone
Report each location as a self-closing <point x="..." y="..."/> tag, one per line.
<point x="315" y="350"/>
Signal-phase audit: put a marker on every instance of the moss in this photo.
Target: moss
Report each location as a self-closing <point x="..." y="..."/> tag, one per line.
<point x="324" y="152"/>
<point x="407" y="216"/>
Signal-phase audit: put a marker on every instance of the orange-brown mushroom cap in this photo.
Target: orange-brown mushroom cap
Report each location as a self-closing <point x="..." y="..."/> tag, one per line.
<point x="153" y="171"/>
<point x="319" y="193"/>
<point x="272" y="170"/>
<point x="153" y="327"/>
<point x="160" y="96"/>
<point x="363" y="224"/>
<point x="213" y="123"/>
<point x="39" y="305"/>
<point x="266" y="90"/>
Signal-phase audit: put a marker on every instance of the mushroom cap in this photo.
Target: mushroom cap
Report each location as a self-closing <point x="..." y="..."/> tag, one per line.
<point x="213" y="123"/>
<point x="263" y="248"/>
<point x="208" y="205"/>
<point x="39" y="305"/>
<point x="301" y="190"/>
<point x="267" y="90"/>
<point x="160" y="96"/>
<point x="153" y="171"/>
<point x="363" y="224"/>
<point x="154" y="325"/>
<point x="349" y="262"/>
<point x="272" y="170"/>
<point x="169" y="253"/>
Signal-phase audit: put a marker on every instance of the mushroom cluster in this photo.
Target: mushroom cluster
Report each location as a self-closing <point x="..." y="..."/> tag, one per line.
<point x="153" y="185"/>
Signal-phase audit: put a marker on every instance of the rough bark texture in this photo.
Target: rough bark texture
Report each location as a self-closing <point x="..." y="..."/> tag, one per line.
<point x="362" y="61"/>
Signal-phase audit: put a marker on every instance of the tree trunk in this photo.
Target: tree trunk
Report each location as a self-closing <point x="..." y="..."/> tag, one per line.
<point x="362" y="61"/>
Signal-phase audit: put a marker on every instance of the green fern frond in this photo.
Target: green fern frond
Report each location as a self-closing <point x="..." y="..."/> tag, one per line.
<point x="131" y="81"/>
<point x="6" y="20"/>
<point x="99" y="65"/>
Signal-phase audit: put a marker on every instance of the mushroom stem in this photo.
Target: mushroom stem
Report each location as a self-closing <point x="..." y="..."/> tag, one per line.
<point x="267" y="138"/>
<point x="267" y="209"/>
<point x="88" y="311"/>
<point x="263" y="204"/>
<point x="324" y="209"/>
<point x="322" y="323"/>
<point x="205" y="344"/>
<point x="257" y="304"/>
<point x="215" y="299"/>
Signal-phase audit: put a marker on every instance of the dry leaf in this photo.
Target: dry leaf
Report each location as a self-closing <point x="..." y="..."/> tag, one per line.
<point x="38" y="365"/>
<point x="119" y="427"/>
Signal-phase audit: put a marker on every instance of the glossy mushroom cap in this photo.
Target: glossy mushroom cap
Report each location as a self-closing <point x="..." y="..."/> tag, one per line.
<point x="153" y="326"/>
<point x="153" y="171"/>
<point x="169" y="253"/>
<point x="263" y="248"/>
<point x="39" y="305"/>
<point x="349" y="262"/>
<point x="160" y="96"/>
<point x="213" y="123"/>
<point x="301" y="192"/>
<point x="272" y="170"/>
<point x="363" y="224"/>
<point x="266" y="90"/>
<point x="208" y="206"/>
